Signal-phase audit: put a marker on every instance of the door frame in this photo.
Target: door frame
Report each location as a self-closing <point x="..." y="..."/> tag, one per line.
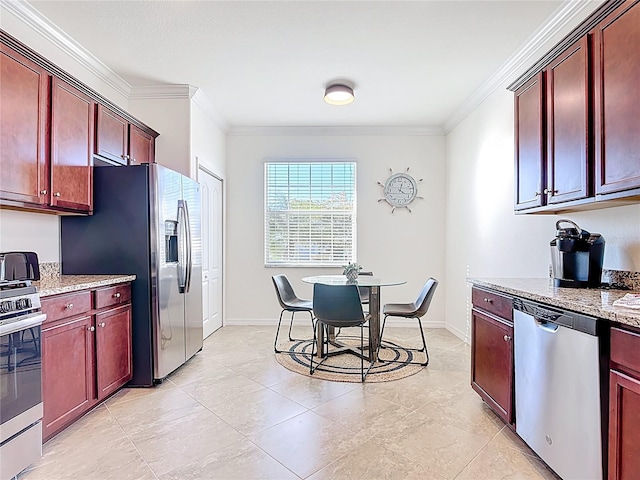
<point x="223" y="266"/>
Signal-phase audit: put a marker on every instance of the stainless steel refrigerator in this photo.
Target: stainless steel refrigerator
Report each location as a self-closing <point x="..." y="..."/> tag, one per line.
<point x="146" y="222"/>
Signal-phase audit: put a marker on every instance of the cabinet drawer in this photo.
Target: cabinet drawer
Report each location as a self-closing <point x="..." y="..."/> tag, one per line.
<point x="68" y="305"/>
<point x="495" y="303"/>
<point x="106" y="297"/>
<point x="625" y="348"/>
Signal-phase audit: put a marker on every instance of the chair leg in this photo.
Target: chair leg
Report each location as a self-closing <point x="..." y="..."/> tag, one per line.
<point x="275" y="342"/>
<point x="424" y="343"/>
<point x="291" y="339"/>
<point x="364" y="374"/>
<point x="384" y="321"/>
<point x="291" y="325"/>
<point x="423" y="349"/>
<point x="313" y="347"/>
<point x="362" y="353"/>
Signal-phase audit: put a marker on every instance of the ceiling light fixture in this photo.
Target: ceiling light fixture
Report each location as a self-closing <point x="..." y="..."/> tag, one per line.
<point x="338" y="94"/>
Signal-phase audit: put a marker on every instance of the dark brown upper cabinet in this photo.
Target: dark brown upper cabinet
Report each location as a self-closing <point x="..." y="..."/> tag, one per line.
<point x="72" y="128"/>
<point x="616" y="57"/>
<point x="577" y="127"/>
<point x="48" y="134"/>
<point x="121" y="142"/>
<point x="529" y="144"/>
<point x="24" y="130"/>
<point x="567" y="123"/>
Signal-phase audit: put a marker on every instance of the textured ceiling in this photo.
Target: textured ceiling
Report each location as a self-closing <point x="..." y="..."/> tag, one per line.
<point x="267" y="63"/>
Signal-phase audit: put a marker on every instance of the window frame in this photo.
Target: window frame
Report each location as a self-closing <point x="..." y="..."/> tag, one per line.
<point x="290" y="263"/>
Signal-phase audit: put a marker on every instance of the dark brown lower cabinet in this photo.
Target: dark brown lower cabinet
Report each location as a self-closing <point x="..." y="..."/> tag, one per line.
<point x="86" y="352"/>
<point x="67" y="373"/>
<point x="624" y="426"/>
<point x="492" y="362"/>
<point x="113" y="349"/>
<point x="624" y="405"/>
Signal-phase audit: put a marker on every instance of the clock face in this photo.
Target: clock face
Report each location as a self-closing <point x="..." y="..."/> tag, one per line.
<point x="400" y="190"/>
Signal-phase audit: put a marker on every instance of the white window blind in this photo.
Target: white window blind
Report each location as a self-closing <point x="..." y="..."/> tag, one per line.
<point x="309" y="213"/>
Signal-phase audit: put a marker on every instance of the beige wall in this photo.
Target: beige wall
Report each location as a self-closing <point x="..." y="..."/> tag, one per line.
<point x="399" y="245"/>
<point x="484" y="237"/>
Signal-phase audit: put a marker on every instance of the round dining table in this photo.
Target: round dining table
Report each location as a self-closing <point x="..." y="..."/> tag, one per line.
<point x="373" y="284"/>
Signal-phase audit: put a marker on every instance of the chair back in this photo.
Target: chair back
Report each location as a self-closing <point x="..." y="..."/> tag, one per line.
<point x="284" y="290"/>
<point x="424" y="299"/>
<point x="337" y="305"/>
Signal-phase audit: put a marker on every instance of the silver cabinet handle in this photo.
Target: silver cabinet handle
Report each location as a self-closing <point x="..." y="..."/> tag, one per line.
<point x="116" y="295"/>
<point x="132" y="160"/>
<point x="69" y="306"/>
<point x="43" y="192"/>
<point x="488" y="300"/>
<point x="92" y="328"/>
<point x="102" y="324"/>
<point x="548" y="191"/>
<point x="506" y="338"/>
<point x="536" y="194"/>
<point x="56" y="194"/>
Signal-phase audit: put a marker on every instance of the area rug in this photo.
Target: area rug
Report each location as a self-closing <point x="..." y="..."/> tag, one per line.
<point x="346" y="367"/>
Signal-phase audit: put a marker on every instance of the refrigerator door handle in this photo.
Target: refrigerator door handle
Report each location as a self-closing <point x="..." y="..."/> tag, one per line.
<point x="189" y="265"/>
<point x="183" y="248"/>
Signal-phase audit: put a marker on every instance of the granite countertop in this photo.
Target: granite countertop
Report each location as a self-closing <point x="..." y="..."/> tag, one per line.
<point x="589" y="301"/>
<point x="53" y="285"/>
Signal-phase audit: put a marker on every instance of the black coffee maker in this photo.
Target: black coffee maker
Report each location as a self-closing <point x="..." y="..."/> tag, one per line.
<point x="576" y="257"/>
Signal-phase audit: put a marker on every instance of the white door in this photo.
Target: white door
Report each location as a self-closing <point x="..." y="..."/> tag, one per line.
<point x="211" y="188"/>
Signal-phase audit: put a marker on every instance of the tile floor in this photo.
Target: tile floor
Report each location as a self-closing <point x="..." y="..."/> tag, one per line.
<point x="232" y="412"/>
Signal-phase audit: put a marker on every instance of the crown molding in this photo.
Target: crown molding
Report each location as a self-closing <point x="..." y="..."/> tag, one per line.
<point x="164" y="92"/>
<point x="44" y="27"/>
<point x="200" y="99"/>
<point x="335" y="131"/>
<point x="571" y="12"/>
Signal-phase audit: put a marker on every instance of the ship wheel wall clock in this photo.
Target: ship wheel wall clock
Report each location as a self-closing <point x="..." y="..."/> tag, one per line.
<point x="399" y="190"/>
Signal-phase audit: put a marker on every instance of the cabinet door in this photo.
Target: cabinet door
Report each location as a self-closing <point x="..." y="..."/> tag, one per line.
<point x="617" y="100"/>
<point x="72" y="128"/>
<point x="112" y="136"/>
<point x="141" y="146"/>
<point x="624" y="427"/>
<point x="492" y="363"/>
<point x="568" y="172"/>
<point x="24" y="127"/>
<point x="67" y="373"/>
<point x="529" y="144"/>
<point x="113" y="349"/>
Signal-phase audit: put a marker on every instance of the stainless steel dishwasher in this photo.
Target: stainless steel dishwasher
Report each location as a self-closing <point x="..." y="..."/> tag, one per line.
<point x="559" y="388"/>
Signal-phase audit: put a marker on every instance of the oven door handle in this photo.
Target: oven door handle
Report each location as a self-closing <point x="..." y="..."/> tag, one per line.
<point x="31" y="321"/>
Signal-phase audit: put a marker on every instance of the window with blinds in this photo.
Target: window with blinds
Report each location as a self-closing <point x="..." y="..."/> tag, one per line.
<point x="310" y="213"/>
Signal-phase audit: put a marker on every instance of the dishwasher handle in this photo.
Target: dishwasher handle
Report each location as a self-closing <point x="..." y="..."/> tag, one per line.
<point x="546" y="326"/>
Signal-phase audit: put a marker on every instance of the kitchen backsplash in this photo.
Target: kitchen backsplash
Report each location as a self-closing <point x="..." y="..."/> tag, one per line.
<point x="49" y="269"/>
<point x="622" y="279"/>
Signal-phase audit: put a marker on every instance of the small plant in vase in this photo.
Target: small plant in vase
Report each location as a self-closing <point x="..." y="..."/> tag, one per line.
<point x="351" y="271"/>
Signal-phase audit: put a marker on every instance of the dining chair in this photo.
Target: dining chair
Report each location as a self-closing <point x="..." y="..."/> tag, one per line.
<point x="289" y="302"/>
<point x="415" y="310"/>
<point x="339" y="306"/>
<point x="364" y="295"/>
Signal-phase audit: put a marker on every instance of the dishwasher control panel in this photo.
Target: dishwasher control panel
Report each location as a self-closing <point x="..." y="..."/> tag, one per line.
<point x="545" y="313"/>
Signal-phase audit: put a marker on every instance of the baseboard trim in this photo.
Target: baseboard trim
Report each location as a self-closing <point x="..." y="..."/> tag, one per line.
<point x="457" y="332"/>
<point x="396" y="322"/>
